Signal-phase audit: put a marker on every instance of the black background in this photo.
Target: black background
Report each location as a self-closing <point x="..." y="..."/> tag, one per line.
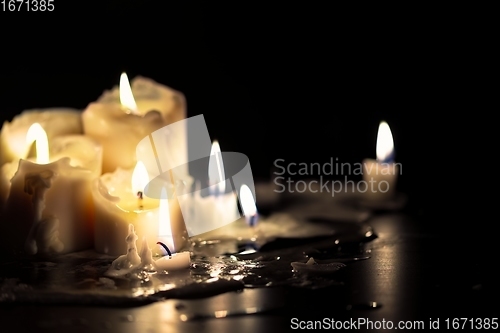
<point x="296" y="82"/>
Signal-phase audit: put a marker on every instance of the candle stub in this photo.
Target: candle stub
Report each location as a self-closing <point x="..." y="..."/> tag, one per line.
<point x="133" y="263"/>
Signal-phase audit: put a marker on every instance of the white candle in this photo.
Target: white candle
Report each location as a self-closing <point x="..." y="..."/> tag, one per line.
<point x="176" y="261"/>
<point x="117" y="205"/>
<point x="218" y="208"/>
<point x="83" y="152"/>
<point x="56" y="122"/>
<point x="147" y="95"/>
<point x="49" y="205"/>
<point x="122" y="117"/>
<point x="138" y="262"/>
<point x="380" y="175"/>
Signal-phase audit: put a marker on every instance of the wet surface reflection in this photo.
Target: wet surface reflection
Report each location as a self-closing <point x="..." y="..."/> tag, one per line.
<point x="79" y="278"/>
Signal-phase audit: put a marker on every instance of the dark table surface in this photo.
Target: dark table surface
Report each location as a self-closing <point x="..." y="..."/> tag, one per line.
<point x="416" y="274"/>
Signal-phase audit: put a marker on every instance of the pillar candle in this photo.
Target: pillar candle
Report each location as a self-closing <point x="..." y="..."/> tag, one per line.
<point x="117" y="206"/>
<point x="123" y="116"/>
<point x="148" y="95"/>
<point x="83" y="152"/>
<point x="56" y="122"/>
<point x="48" y="205"/>
<point x="380" y="175"/>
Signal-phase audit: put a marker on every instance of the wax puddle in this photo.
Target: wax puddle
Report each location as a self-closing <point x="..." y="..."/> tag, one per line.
<point x="80" y="278"/>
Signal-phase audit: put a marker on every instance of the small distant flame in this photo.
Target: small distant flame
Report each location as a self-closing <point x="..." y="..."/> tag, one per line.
<point x="247" y="201"/>
<point x="216" y="173"/>
<point x="385" y="143"/>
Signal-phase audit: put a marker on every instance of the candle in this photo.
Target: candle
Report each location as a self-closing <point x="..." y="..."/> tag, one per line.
<point x="142" y="261"/>
<point x="380" y="175"/>
<point x="147" y="95"/>
<point x="48" y="207"/>
<point x="83" y="152"/>
<point x="119" y="201"/>
<point x="56" y="122"/>
<point x="122" y="117"/>
<point x="217" y="208"/>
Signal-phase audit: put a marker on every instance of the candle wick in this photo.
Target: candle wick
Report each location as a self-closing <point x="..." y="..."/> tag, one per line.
<point x="166" y="249"/>
<point x="140" y="196"/>
<point x="252" y="220"/>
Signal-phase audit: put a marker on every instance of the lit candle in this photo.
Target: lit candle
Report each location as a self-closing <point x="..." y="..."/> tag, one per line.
<point x="380" y="175"/>
<point x="204" y="213"/>
<point x="117" y="204"/>
<point x="124" y="116"/>
<point x="142" y="262"/>
<point x="83" y="152"/>
<point x="248" y="207"/>
<point x="55" y="122"/>
<point x="49" y="207"/>
<point x="147" y="95"/>
<point x="172" y="260"/>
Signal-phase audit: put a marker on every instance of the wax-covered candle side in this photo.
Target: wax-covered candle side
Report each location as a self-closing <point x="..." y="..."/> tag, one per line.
<point x="67" y="199"/>
<point x="118" y="132"/>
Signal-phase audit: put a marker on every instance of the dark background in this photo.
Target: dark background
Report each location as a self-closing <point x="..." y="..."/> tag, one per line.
<point x="301" y="83"/>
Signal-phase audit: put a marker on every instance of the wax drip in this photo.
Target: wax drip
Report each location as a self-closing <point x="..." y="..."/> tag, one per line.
<point x="36" y="185"/>
<point x="166" y="248"/>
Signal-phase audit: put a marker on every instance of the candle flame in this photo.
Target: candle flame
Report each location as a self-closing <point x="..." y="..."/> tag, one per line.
<point x="164" y="224"/>
<point x="385" y="143"/>
<point x="140" y="177"/>
<point x="247" y="201"/>
<point x="37" y="134"/>
<point x="126" y="96"/>
<point x="216" y="168"/>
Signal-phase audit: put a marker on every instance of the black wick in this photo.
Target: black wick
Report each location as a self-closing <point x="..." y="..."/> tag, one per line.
<point x="165" y="247"/>
<point x="140" y="196"/>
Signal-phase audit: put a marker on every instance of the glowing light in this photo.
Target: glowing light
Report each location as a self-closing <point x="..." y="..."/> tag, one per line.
<point x="247" y="201"/>
<point x="140" y="177"/>
<point x="164" y="224"/>
<point x="37" y="134"/>
<point x="126" y="97"/>
<point x="216" y="168"/>
<point x="385" y="143"/>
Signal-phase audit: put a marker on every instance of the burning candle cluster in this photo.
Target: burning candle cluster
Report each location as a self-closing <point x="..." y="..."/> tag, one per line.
<point x="73" y="180"/>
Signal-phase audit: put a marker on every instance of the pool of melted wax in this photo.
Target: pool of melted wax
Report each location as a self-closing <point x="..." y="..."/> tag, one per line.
<point x="79" y="278"/>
